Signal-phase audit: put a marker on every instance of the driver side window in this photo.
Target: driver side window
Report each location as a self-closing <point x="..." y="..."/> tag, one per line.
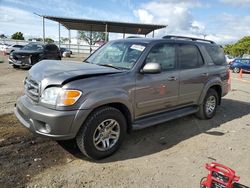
<point x="163" y="54"/>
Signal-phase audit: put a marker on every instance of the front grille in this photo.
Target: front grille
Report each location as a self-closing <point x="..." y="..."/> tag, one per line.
<point x="32" y="89"/>
<point x="23" y="58"/>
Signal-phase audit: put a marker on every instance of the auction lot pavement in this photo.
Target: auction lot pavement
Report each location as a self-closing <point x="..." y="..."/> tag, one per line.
<point x="172" y="154"/>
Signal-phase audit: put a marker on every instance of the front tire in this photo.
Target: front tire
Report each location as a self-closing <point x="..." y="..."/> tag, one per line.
<point x="208" y="108"/>
<point x="102" y="133"/>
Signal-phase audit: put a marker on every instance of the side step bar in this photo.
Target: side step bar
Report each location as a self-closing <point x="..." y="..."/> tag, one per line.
<point x="163" y="117"/>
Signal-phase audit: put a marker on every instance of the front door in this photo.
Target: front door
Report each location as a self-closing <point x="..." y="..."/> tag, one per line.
<point x="158" y="92"/>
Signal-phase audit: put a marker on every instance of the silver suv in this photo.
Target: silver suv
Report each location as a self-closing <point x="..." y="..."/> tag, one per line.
<point x="125" y="85"/>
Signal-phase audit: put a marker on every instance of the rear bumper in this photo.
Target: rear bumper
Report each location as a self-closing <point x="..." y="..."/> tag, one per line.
<point x="59" y="125"/>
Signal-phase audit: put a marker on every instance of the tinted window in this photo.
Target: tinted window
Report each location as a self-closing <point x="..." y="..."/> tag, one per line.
<point x="189" y="57"/>
<point x="163" y="54"/>
<point x="33" y="46"/>
<point x="245" y="61"/>
<point x="18" y="46"/>
<point x="216" y="53"/>
<point x="51" y="47"/>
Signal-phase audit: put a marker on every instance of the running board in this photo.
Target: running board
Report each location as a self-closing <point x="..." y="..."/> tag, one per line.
<point x="163" y="117"/>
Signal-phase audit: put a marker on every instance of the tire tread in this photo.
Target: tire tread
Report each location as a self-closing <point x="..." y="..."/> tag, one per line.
<point x="88" y="123"/>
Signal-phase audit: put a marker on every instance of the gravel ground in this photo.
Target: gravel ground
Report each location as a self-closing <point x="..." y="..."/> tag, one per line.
<point x="172" y="154"/>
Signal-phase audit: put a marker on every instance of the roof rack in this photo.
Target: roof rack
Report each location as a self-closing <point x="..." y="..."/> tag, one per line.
<point x="187" y="38"/>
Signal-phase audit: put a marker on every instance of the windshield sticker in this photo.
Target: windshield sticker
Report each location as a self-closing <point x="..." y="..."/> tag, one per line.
<point x="137" y="47"/>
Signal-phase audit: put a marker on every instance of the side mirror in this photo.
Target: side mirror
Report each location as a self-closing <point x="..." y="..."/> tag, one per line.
<point x="151" y="68"/>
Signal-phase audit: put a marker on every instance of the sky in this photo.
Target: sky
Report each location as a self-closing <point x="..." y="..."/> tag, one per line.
<point x="224" y="21"/>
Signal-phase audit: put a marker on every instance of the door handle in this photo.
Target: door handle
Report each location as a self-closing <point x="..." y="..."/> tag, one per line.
<point x="172" y="78"/>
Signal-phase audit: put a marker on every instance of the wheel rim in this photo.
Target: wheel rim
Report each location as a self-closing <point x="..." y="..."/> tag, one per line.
<point x="236" y="70"/>
<point x="106" y="134"/>
<point x="210" y="105"/>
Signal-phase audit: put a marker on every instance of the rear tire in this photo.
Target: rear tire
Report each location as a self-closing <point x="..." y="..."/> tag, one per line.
<point x="208" y="108"/>
<point x="102" y="133"/>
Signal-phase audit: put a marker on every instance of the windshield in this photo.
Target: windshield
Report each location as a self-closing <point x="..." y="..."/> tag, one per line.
<point x="33" y="47"/>
<point x="119" y="54"/>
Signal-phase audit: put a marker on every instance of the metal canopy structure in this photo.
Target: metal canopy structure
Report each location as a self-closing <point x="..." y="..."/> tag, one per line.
<point x="100" y="26"/>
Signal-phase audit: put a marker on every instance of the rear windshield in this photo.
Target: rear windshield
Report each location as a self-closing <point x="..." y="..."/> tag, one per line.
<point x="217" y="54"/>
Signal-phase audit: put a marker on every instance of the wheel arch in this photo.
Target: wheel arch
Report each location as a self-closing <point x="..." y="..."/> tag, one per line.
<point x="124" y="109"/>
<point x="218" y="89"/>
<point x="216" y="86"/>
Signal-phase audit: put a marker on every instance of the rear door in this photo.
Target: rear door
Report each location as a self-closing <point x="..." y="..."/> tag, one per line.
<point x="193" y="73"/>
<point x="158" y="92"/>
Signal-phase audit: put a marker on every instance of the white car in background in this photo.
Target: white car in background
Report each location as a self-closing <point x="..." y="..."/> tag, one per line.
<point x="13" y="48"/>
<point x="3" y="47"/>
<point x="246" y="56"/>
<point x="229" y="59"/>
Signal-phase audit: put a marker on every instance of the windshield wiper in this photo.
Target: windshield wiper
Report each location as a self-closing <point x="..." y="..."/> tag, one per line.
<point x="108" y="65"/>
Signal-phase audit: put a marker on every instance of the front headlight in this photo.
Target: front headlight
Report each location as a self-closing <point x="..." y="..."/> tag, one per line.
<point x="60" y="97"/>
<point x="49" y="95"/>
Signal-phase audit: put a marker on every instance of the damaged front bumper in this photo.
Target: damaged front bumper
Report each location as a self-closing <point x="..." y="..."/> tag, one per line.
<point x="24" y="62"/>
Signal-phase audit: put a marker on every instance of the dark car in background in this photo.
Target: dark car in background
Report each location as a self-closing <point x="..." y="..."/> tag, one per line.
<point x="33" y="53"/>
<point x="238" y="64"/>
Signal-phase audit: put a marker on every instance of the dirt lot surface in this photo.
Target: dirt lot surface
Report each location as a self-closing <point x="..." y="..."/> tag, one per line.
<point x="172" y="154"/>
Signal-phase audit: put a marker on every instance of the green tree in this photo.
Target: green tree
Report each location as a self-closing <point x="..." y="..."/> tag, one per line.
<point x="49" y="40"/>
<point x="17" y="36"/>
<point x="64" y="40"/>
<point x="239" y="48"/>
<point x="91" y="40"/>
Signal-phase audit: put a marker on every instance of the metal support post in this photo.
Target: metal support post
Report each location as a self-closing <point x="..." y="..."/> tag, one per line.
<point x="106" y="32"/>
<point x="59" y="34"/>
<point x="43" y="30"/>
<point x="69" y="39"/>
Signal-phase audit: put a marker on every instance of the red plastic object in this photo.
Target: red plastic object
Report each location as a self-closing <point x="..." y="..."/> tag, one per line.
<point x="219" y="176"/>
<point x="240" y="74"/>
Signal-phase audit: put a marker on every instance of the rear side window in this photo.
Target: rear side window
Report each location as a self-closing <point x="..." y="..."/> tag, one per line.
<point x="217" y="54"/>
<point x="51" y="47"/>
<point x="18" y="46"/>
<point x="246" y="61"/>
<point x="189" y="57"/>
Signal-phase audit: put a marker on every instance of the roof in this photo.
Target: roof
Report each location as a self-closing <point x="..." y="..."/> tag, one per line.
<point x="100" y="25"/>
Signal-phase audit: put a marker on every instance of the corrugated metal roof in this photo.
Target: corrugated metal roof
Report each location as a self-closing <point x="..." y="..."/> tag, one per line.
<point x="100" y="25"/>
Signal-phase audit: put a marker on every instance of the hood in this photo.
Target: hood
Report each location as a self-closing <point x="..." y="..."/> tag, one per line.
<point x="26" y="52"/>
<point x="57" y="72"/>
